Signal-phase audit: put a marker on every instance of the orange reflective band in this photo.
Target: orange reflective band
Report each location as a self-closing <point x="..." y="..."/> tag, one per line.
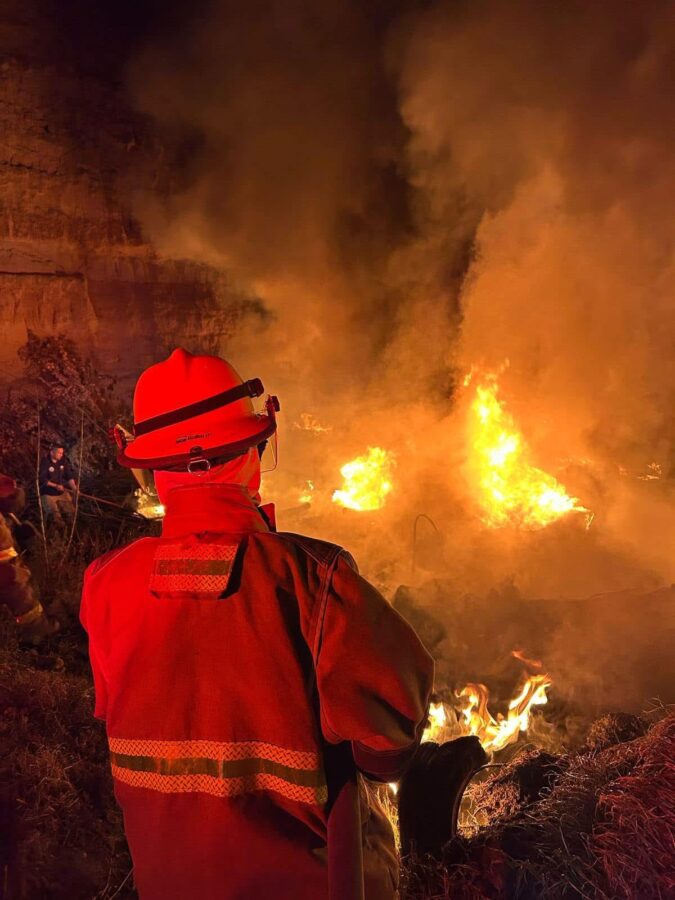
<point x="219" y="769"/>
<point x="192" y="568"/>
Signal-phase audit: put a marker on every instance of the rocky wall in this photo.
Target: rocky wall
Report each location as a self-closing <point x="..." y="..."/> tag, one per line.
<point x="72" y="156"/>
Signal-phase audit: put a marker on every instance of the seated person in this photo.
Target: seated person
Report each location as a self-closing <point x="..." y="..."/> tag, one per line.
<point x="57" y="485"/>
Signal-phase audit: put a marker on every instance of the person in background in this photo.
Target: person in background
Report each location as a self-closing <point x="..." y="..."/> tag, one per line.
<point x="17" y="589"/>
<point x="249" y="679"/>
<point x="57" y="486"/>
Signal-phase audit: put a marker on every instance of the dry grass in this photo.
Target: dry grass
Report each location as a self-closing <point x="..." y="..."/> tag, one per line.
<point x="63" y="831"/>
<point x="604" y="829"/>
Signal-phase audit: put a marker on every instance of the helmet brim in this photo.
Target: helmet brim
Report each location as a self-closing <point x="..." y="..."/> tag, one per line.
<point x="145" y="452"/>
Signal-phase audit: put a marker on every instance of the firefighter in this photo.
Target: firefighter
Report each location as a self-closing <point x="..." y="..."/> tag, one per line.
<point x="17" y="589"/>
<point x="248" y="679"/>
<point x="57" y="486"/>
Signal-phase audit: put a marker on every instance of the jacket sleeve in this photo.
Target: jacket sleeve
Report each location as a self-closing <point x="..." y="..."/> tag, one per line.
<point x="100" y="685"/>
<point x="374" y="676"/>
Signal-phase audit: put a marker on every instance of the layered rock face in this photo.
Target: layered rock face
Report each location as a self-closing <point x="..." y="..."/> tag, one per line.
<point x="72" y="155"/>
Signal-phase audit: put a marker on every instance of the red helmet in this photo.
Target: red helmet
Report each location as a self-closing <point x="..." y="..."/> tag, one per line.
<point x="190" y="408"/>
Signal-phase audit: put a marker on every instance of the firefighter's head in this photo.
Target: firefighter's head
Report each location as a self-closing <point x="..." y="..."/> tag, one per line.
<point x="56" y="452"/>
<point x="193" y="414"/>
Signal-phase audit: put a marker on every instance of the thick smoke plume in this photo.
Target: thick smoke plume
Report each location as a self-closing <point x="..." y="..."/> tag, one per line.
<point x="557" y="120"/>
<point x="414" y="190"/>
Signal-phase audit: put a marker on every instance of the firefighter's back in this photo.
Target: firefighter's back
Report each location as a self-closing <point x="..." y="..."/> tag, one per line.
<point x="201" y="646"/>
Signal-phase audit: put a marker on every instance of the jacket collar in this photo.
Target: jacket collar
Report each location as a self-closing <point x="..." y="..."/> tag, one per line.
<point x="220" y="508"/>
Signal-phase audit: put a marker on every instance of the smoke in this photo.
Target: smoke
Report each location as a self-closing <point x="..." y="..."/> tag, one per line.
<point x="291" y="139"/>
<point x="557" y="120"/>
<point x="412" y="190"/>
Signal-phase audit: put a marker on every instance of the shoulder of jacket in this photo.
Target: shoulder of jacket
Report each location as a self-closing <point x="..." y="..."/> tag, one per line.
<point x="322" y="552"/>
<point x="99" y="564"/>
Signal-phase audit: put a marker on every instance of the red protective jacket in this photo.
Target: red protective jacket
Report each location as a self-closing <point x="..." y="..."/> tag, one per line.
<point x="243" y="675"/>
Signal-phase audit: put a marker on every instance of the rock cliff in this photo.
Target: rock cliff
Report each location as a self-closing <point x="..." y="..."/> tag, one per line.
<point x="72" y="156"/>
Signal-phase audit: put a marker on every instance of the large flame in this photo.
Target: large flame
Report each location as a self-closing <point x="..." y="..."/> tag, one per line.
<point x="511" y="490"/>
<point x="367" y="481"/>
<point x="494" y="734"/>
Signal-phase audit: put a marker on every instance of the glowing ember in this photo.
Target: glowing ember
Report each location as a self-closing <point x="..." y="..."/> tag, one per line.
<point x="367" y="481"/>
<point x="512" y="491"/>
<point x="494" y="734"/>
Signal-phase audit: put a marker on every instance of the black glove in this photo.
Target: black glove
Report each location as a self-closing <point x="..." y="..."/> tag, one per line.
<point x="430" y="792"/>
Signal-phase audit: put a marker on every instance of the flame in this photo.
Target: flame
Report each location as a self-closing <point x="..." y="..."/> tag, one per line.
<point x="654" y="473"/>
<point x="438" y="719"/>
<point x="367" y="481"/>
<point x="511" y="489"/>
<point x="148" y="506"/>
<point x="475" y="717"/>
<point x="308" y="422"/>
<point x="307" y="493"/>
<point x="494" y="734"/>
<point x="533" y="663"/>
<point x="436" y="724"/>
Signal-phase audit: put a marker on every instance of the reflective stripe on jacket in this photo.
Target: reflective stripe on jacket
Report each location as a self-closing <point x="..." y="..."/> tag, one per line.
<point x="243" y="675"/>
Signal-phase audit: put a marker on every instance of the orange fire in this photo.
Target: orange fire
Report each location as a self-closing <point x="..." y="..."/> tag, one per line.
<point x="511" y="490"/>
<point x="148" y="505"/>
<point x="307" y="493"/>
<point x="472" y="716"/>
<point x="308" y="422"/>
<point x="438" y="720"/>
<point x="494" y="734"/>
<point x="367" y="481"/>
<point x="532" y="663"/>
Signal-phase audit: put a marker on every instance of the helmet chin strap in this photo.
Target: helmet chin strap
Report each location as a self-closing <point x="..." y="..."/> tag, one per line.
<point x="200" y="465"/>
<point x="243" y="470"/>
<point x="196" y="456"/>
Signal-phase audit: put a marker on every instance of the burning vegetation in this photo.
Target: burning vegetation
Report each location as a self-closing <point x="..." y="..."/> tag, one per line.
<point x="367" y="481"/>
<point x="495" y="734"/>
<point x="511" y="491"/>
